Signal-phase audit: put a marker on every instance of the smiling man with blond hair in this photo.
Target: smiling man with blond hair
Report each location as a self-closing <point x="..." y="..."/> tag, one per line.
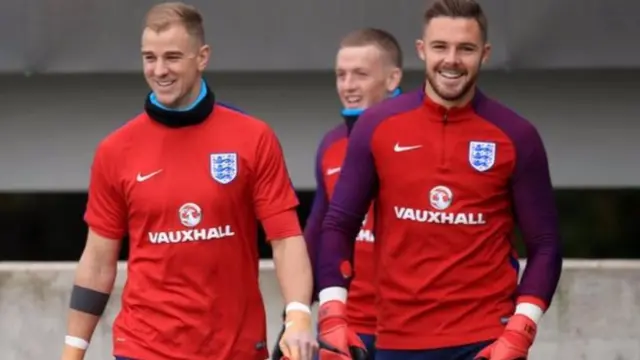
<point x="186" y="180"/>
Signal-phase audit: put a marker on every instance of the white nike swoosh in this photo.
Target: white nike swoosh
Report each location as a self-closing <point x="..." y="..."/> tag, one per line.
<point x="399" y="148"/>
<point x="141" y="178"/>
<point x="333" y="171"/>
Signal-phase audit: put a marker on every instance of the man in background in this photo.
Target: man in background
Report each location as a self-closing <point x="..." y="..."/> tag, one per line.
<point x="451" y="172"/>
<point x="186" y="180"/>
<point x="368" y="69"/>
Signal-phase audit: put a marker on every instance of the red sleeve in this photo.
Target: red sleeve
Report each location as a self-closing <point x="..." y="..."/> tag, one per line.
<point x="282" y="225"/>
<point x="273" y="192"/>
<point x="106" y="212"/>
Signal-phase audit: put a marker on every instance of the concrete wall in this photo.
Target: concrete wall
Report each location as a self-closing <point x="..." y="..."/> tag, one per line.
<point x="595" y="315"/>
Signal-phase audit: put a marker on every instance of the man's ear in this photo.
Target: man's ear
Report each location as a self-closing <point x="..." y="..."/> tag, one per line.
<point x="203" y="57"/>
<point x="394" y="79"/>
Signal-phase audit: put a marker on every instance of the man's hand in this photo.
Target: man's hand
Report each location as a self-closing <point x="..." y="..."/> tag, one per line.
<point x="514" y="343"/>
<point x="297" y="341"/>
<point x="336" y="340"/>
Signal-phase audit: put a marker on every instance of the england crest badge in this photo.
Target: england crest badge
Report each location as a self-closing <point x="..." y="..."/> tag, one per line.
<point x="482" y="155"/>
<point x="224" y="167"/>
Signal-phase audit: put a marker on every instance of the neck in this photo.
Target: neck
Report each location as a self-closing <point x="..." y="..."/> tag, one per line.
<point x="194" y="94"/>
<point x="200" y="110"/>
<point x="431" y="93"/>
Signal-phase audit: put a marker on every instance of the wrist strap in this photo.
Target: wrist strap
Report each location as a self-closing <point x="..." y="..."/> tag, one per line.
<point x="76" y="342"/>
<point x="297" y="306"/>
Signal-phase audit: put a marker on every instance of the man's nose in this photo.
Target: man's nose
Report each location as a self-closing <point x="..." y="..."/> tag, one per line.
<point x="451" y="56"/>
<point x="160" y="69"/>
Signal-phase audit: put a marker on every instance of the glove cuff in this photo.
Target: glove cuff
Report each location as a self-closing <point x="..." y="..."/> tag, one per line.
<point x="522" y="324"/>
<point x="332" y="309"/>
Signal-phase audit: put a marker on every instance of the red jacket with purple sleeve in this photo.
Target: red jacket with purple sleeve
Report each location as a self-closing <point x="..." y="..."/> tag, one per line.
<point x="450" y="185"/>
<point x="361" y="302"/>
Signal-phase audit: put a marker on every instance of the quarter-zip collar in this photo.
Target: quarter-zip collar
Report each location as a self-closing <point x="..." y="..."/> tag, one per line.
<point x="441" y="113"/>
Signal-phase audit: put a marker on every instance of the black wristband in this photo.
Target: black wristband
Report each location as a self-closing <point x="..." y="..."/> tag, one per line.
<point x="88" y="301"/>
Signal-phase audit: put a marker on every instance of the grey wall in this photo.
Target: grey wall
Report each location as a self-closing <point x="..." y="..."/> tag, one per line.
<point x="593" y="315"/>
<point x="50" y="124"/>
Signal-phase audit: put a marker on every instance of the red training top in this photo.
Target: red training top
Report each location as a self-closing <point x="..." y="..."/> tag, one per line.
<point x="188" y="198"/>
<point x="449" y="187"/>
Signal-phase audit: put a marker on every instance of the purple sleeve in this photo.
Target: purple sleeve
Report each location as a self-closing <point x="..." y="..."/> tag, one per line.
<point x="534" y="203"/>
<point x="351" y="198"/>
<point x="354" y="192"/>
<point x="537" y="218"/>
<point x="314" y="223"/>
<point x="319" y="208"/>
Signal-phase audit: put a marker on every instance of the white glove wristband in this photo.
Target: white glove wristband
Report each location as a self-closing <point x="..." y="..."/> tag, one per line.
<point x="76" y="342"/>
<point x="532" y="311"/>
<point x="332" y="293"/>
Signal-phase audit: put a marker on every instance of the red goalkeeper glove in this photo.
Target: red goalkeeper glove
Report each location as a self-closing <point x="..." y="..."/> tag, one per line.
<point x="336" y="341"/>
<point x="514" y="343"/>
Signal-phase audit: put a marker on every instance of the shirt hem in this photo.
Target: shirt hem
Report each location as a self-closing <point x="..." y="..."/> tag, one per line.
<point x="430" y="341"/>
<point x="363" y="328"/>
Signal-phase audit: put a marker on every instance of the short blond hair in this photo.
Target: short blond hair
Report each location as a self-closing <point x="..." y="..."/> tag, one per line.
<point x="376" y="37"/>
<point x="162" y="16"/>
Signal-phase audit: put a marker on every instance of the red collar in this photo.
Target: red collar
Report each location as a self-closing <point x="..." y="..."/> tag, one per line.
<point x="438" y="112"/>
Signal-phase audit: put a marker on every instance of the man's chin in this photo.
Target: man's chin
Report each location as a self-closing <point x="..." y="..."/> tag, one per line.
<point x="455" y="94"/>
<point x="452" y="96"/>
<point x="168" y="101"/>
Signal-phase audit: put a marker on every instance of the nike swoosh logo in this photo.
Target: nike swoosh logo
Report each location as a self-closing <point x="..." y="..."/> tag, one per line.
<point x="141" y="178"/>
<point x="399" y="148"/>
<point x="333" y="171"/>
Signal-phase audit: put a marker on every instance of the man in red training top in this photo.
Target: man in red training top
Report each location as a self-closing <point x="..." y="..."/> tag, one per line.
<point x="186" y="180"/>
<point x="450" y="172"/>
<point x="368" y="69"/>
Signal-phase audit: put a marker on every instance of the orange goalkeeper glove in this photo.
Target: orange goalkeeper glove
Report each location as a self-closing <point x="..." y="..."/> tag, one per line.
<point x="514" y="343"/>
<point x="336" y="340"/>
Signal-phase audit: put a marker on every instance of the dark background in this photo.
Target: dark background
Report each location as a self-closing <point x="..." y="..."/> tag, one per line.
<point x="595" y="223"/>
